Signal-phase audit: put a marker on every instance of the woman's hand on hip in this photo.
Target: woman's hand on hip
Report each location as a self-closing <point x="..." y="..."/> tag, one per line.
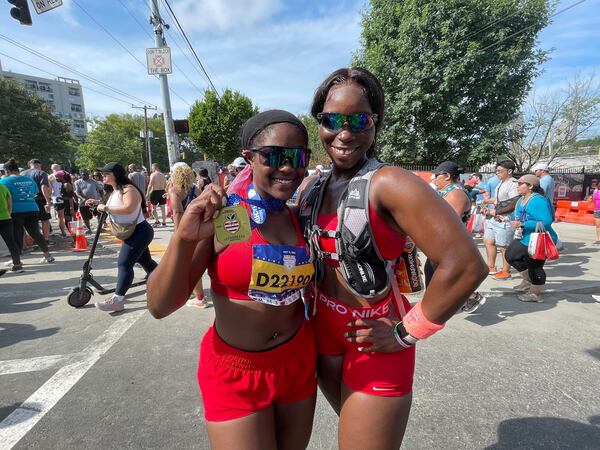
<point x="197" y="222"/>
<point x="377" y="335"/>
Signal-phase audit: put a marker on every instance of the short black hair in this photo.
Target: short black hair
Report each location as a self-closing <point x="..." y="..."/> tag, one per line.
<point x="507" y="164"/>
<point x="11" y="165"/>
<point x="364" y="78"/>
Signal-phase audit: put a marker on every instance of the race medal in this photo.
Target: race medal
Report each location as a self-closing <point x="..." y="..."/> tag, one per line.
<point x="232" y="225"/>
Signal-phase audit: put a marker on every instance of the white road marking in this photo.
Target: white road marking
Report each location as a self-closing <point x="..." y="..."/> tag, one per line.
<point x="31" y="411"/>
<point x="32" y="364"/>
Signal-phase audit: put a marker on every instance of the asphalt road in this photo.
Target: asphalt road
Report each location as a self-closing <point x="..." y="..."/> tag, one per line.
<point x="513" y="375"/>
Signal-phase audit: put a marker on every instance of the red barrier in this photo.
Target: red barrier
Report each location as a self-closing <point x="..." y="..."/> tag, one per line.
<point x="575" y="212"/>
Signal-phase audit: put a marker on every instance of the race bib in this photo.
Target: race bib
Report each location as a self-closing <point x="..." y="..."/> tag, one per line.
<point x="279" y="272"/>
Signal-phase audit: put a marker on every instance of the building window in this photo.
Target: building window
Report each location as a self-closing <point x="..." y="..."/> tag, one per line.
<point x="79" y="124"/>
<point x="45" y="87"/>
<point x="31" y="85"/>
<point x="50" y="95"/>
<point x="74" y="92"/>
<point x="75" y="107"/>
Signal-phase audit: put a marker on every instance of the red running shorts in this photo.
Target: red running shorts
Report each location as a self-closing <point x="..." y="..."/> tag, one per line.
<point x="235" y="383"/>
<point x="381" y="374"/>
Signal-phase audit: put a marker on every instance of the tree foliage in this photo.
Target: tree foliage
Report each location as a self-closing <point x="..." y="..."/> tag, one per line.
<point x="452" y="73"/>
<point x="29" y="130"/>
<point x="117" y="138"/>
<point x="215" y="124"/>
<point x="552" y="122"/>
<point x="318" y="154"/>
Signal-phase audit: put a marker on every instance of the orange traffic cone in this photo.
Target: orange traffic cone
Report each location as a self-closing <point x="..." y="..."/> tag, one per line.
<point x="80" y="241"/>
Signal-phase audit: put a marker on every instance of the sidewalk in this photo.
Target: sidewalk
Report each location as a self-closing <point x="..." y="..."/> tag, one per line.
<point x="576" y="271"/>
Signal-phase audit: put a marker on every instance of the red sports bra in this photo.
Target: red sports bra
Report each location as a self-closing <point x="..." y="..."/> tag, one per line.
<point x="389" y="242"/>
<point x="230" y="270"/>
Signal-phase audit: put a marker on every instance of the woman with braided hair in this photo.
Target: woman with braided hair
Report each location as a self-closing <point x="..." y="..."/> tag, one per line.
<point x="365" y="341"/>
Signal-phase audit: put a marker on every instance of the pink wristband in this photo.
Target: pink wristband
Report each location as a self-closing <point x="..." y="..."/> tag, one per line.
<point x="418" y="325"/>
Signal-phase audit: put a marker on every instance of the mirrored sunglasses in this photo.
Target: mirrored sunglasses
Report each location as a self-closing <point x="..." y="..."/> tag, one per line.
<point x="356" y="122"/>
<point x="275" y="156"/>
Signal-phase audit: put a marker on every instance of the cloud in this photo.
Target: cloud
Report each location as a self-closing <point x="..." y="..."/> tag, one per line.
<point x="66" y="13"/>
<point x="200" y="15"/>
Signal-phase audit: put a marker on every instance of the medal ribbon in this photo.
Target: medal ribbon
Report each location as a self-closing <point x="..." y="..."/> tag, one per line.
<point x="258" y="206"/>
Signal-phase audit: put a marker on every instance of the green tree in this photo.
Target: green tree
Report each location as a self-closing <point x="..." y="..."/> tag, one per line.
<point x="453" y="75"/>
<point x="117" y="138"/>
<point x="28" y="129"/>
<point x="318" y="155"/>
<point x="215" y="124"/>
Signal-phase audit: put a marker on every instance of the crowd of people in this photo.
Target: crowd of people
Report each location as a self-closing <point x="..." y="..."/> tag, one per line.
<point x="302" y="284"/>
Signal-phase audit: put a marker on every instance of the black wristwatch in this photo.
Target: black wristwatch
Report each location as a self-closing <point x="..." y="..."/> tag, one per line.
<point x="403" y="337"/>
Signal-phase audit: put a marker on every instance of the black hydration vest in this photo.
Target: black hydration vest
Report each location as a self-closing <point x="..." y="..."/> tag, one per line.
<point x="363" y="268"/>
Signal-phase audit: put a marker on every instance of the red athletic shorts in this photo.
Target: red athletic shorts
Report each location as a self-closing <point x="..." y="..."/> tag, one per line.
<point x="382" y="374"/>
<point x="235" y="383"/>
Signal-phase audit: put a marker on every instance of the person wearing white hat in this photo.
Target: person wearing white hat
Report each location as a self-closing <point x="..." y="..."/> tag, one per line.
<point x="541" y="171"/>
<point x="234" y="168"/>
<point x="546" y="181"/>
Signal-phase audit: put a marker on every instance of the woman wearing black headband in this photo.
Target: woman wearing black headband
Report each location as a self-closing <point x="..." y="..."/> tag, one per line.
<point x="257" y="363"/>
<point x="365" y="344"/>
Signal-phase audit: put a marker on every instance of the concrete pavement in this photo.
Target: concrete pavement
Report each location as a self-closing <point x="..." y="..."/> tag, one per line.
<point x="513" y="375"/>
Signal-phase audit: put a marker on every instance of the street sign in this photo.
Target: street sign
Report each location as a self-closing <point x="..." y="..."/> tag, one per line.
<point x="42" y="6"/>
<point x="159" y="60"/>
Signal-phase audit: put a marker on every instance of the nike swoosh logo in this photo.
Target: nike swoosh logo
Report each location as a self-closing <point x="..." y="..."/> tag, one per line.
<point x="383" y="389"/>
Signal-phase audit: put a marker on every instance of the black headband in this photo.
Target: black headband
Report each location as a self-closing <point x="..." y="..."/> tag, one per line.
<point x="254" y="125"/>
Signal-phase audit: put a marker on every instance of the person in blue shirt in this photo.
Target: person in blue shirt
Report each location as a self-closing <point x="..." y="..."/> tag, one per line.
<point x="546" y="181"/>
<point x="24" y="208"/>
<point x="532" y="207"/>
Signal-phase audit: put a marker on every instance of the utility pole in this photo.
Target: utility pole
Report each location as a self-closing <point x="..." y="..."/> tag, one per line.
<point x="171" y="137"/>
<point x="146" y="134"/>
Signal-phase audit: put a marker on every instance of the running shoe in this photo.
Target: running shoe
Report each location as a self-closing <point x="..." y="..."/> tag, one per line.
<point x="493" y="270"/>
<point x="112" y="304"/>
<point x="164" y="224"/>
<point x="2" y="272"/>
<point x="17" y="268"/>
<point x="523" y="286"/>
<point x="596" y="297"/>
<point x="502" y="276"/>
<point x="473" y="304"/>
<point x="530" y="297"/>
<point x="47" y="260"/>
<point x="156" y="225"/>
<point x="197" y="303"/>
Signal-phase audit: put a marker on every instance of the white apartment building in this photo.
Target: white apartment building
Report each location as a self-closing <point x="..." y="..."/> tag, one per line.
<point x="64" y="95"/>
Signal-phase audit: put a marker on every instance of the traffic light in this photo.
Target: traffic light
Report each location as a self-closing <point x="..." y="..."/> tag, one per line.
<point x="181" y="126"/>
<point x="20" y="11"/>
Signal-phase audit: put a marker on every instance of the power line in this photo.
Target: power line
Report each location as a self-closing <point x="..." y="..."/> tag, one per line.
<point x="184" y="53"/>
<point x="476" y="32"/>
<point x="191" y="47"/>
<point x="55" y="75"/>
<point x="145" y="30"/>
<point x="142" y="27"/>
<point x="109" y="33"/>
<point x="530" y="26"/>
<point x="123" y="47"/>
<point x="75" y="71"/>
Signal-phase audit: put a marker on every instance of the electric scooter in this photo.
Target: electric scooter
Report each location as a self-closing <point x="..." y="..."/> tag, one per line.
<point x="82" y="294"/>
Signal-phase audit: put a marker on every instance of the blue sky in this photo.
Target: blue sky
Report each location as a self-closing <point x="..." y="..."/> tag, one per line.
<point x="274" y="51"/>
